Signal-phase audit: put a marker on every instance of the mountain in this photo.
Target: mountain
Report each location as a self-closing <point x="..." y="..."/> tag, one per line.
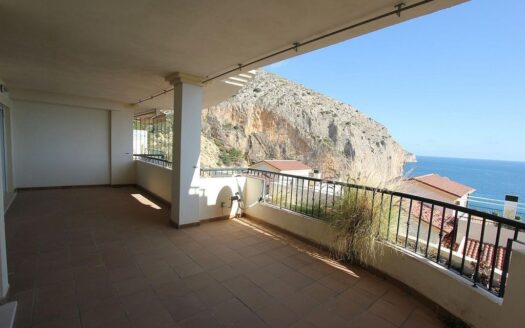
<point x="274" y="118"/>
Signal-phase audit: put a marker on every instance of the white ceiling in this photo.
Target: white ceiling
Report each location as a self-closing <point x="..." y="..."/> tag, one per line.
<point x="122" y="50"/>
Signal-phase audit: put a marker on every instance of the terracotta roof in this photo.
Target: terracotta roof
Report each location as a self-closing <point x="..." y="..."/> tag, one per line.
<point x="286" y="165"/>
<point x="444" y="184"/>
<point x="472" y="247"/>
<point x="437" y="215"/>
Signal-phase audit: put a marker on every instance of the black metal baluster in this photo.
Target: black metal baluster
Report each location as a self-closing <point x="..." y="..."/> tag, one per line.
<point x="480" y="251"/>
<point x="333" y="195"/>
<point x="408" y="222"/>
<point x="296" y="192"/>
<point x="286" y="192"/>
<point x="494" y="256"/>
<point x="313" y="200"/>
<point x="373" y="204"/>
<point x="429" y="229"/>
<point x="302" y="194"/>
<point x="326" y="200"/>
<point x="320" y="198"/>
<point x="453" y="241"/>
<point x="399" y="218"/>
<point x="389" y="216"/>
<point x="505" y="270"/>
<point x="419" y="224"/>
<point x="307" y="197"/>
<point x="272" y="187"/>
<point x="380" y="214"/>
<point x="441" y="234"/>
<point x="281" y="191"/>
<point x="465" y="245"/>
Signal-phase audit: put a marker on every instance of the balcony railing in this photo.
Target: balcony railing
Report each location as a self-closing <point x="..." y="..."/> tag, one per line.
<point x="223" y="172"/>
<point x="473" y="244"/>
<point x="494" y="206"/>
<point x="153" y="159"/>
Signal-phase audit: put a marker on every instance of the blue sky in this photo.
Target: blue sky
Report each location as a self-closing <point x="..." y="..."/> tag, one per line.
<point x="448" y="84"/>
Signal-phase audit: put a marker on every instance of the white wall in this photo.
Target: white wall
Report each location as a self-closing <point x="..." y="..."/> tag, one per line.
<point x="212" y="191"/>
<point x="155" y="179"/>
<point x="57" y="145"/>
<point x="122" y="168"/>
<point x="215" y="196"/>
<point x="303" y="226"/>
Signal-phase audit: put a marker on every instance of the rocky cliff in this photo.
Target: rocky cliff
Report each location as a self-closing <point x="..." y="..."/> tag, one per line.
<point x="274" y="118"/>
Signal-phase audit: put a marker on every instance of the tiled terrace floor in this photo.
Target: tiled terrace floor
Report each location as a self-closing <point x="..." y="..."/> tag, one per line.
<point x="97" y="257"/>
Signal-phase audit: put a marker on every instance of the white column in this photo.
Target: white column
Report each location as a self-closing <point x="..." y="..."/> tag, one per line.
<point x="187" y="106"/>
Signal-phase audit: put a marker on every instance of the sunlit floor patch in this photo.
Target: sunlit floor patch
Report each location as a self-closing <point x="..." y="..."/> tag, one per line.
<point x="299" y="246"/>
<point x="143" y="200"/>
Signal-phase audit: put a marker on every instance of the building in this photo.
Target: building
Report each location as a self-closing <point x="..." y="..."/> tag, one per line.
<point x="436" y="187"/>
<point x="292" y="167"/>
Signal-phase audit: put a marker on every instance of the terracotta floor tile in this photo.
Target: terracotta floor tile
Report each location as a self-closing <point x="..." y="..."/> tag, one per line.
<point x="334" y="284"/>
<point x="419" y="318"/>
<point x="124" y="273"/>
<point x="213" y="294"/>
<point x="302" y="324"/>
<point x="187" y="269"/>
<point x="102" y="314"/>
<point x="368" y="320"/>
<point x="318" y="292"/>
<point x="277" y="315"/>
<point x="374" y="285"/>
<point x="184" y="307"/>
<point x="142" y="296"/>
<point x="346" y="309"/>
<point x="323" y="317"/>
<point x="99" y="258"/>
<point x="201" y="320"/>
<point x="393" y="313"/>
<point x="296" y="279"/>
<point x="60" y="307"/>
<point x="59" y="323"/>
<point x="360" y="296"/>
<point x="235" y="313"/>
<point x="299" y="303"/>
<point x="223" y="273"/>
<point x="130" y="286"/>
<point x="91" y="294"/>
<point x="150" y="315"/>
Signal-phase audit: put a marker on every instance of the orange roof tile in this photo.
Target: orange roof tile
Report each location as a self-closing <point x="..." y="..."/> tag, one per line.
<point x="444" y="184"/>
<point x="487" y="253"/>
<point x="432" y="217"/>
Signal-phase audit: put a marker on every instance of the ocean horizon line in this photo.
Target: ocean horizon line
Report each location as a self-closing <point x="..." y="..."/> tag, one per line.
<point x="467" y="158"/>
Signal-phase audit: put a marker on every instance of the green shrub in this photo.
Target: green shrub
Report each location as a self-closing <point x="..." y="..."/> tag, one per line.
<point x="358" y="220"/>
<point x="231" y="156"/>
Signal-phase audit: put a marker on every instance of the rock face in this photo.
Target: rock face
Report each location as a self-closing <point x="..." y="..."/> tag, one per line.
<point x="274" y="118"/>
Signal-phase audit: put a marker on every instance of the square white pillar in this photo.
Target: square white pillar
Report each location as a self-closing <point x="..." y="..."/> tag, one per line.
<point x="187" y="106"/>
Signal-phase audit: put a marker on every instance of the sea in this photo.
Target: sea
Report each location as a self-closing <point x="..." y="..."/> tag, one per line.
<point x="491" y="178"/>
